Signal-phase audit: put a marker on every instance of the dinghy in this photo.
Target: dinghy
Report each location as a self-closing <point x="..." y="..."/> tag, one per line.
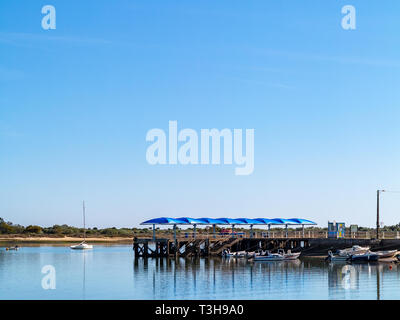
<point x="267" y="256"/>
<point x="353" y="250"/>
<point x="237" y="254"/>
<point x="332" y="258"/>
<point x="289" y="255"/>
<point x="12" y="248"/>
<point x="386" y="254"/>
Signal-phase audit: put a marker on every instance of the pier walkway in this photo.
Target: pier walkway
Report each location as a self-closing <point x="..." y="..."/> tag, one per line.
<point x="213" y="245"/>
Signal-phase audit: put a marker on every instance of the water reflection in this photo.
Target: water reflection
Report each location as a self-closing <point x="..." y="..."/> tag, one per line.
<point x="210" y="278"/>
<point x="84" y="276"/>
<point x="83" y="256"/>
<point x="112" y="272"/>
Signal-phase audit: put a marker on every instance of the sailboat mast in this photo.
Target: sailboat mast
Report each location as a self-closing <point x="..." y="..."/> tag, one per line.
<point x="84" y="225"/>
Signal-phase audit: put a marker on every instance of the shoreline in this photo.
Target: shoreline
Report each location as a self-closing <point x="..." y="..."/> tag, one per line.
<point x="19" y="239"/>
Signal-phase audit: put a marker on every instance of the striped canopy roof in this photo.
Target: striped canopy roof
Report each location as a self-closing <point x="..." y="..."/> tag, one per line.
<point x="251" y="221"/>
<point x="285" y="221"/>
<point x="302" y="221"/>
<point x="211" y="221"/>
<point x="268" y="221"/>
<point x="230" y="221"/>
<point x="164" y="220"/>
<point x="192" y="221"/>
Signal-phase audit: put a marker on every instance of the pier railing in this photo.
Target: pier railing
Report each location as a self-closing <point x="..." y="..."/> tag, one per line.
<point x="279" y="234"/>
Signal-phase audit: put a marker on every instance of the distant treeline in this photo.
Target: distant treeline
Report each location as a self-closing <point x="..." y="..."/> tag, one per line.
<point x="65" y="230"/>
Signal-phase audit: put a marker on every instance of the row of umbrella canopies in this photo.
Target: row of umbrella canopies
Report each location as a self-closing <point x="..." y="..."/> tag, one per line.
<point x="227" y="221"/>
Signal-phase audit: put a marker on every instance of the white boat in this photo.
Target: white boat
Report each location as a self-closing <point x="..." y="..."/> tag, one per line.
<point x="289" y="255"/>
<point x="386" y="254"/>
<point x="83" y="245"/>
<point x="353" y="250"/>
<point x="236" y="254"/>
<point x="268" y="257"/>
<point x="12" y="248"/>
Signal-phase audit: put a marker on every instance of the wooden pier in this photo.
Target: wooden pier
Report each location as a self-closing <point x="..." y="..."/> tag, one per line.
<point x="210" y="246"/>
<point x="148" y="247"/>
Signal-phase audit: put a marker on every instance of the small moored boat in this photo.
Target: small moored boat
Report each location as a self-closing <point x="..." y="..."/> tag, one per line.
<point x="12" y="248"/>
<point x="336" y="258"/>
<point x="365" y="257"/>
<point x="235" y="254"/>
<point x="289" y="255"/>
<point x="83" y="245"/>
<point x="385" y="254"/>
<point x="353" y="250"/>
<point x="268" y="256"/>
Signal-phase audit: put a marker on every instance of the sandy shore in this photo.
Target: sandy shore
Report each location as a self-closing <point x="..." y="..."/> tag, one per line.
<point x="18" y="239"/>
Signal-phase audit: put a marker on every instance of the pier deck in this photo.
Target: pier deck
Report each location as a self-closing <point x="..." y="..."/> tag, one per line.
<point x="206" y="246"/>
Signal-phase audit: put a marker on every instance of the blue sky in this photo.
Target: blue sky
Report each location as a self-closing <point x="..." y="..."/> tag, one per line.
<point x="76" y="104"/>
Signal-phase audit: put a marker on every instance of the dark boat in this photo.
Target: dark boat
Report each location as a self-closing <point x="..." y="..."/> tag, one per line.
<point x="368" y="256"/>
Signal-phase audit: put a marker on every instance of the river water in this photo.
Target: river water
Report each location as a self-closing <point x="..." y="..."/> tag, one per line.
<point x="112" y="272"/>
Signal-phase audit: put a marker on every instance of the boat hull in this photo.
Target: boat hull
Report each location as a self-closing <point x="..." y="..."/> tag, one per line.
<point x="353" y="250"/>
<point x="239" y="254"/>
<point x="338" y="259"/>
<point x="364" y="257"/>
<point x="82" y="247"/>
<point x="268" y="259"/>
<point x="292" y="256"/>
<point x="386" y="254"/>
<point x="332" y="258"/>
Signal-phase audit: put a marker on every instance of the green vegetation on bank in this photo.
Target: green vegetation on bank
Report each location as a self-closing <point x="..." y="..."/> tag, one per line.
<point x="8" y="228"/>
<point x="65" y="230"/>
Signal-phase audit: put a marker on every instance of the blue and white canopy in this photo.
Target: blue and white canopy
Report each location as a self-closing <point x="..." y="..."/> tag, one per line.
<point x="268" y="221"/>
<point x="211" y="221"/>
<point x="250" y="221"/>
<point x="302" y="221"/>
<point x="285" y="221"/>
<point x="229" y="221"/>
<point x="164" y="220"/>
<point x="192" y="221"/>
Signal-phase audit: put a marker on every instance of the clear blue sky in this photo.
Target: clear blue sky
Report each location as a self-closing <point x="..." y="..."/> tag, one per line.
<point x="76" y="104"/>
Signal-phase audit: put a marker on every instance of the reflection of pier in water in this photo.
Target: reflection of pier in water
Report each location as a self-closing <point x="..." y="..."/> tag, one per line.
<point x="178" y="278"/>
<point x="214" y="273"/>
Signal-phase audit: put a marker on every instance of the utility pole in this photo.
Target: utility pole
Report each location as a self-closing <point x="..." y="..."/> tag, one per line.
<point x="377" y="212"/>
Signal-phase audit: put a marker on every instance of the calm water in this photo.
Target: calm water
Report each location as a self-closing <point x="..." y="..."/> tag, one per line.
<point x="111" y="272"/>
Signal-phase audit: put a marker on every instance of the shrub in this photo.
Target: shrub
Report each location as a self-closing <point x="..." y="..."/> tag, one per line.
<point x="9" y="228"/>
<point x="33" y="229"/>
